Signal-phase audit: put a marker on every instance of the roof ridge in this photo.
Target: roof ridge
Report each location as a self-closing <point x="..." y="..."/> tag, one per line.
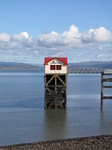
<point x="62" y="59"/>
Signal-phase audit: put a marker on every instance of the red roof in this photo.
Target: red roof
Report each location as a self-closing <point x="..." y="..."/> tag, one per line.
<point x="62" y="59"/>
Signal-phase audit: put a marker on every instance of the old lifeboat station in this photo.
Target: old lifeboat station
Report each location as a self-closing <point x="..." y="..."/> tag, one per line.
<point x="55" y="81"/>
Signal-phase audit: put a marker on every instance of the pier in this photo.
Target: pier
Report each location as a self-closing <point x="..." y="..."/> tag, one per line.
<point x="108" y="79"/>
<point x="85" y="70"/>
<point x="55" y="81"/>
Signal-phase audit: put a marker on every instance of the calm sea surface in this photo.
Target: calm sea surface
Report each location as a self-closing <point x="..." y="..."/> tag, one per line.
<point x="23" y="118"/>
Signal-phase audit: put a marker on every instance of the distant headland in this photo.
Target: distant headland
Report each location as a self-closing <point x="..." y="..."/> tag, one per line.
<point x="25" y="66"/>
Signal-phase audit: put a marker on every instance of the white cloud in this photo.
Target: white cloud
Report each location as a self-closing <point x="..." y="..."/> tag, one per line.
<point x="100" y="35"/>
<point x="21" y="36"/>
<point x="100" y="56"/>
<point x="70" y="43"/>
<point x="72" y="33"/>
<point x="4" y="37"/>
<point x="68" y="39"/>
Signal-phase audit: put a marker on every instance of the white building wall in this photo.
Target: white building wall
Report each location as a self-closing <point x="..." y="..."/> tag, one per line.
<point x="55" y="62"/>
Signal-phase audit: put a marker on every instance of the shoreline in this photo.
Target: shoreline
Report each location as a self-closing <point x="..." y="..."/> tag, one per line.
<point x="93" y="142"/>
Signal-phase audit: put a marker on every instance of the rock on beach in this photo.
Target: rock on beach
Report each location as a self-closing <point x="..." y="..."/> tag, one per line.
<point x="103" y="142"/>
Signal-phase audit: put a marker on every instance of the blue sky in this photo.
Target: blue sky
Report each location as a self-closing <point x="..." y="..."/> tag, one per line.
<point x="33" y="29"/>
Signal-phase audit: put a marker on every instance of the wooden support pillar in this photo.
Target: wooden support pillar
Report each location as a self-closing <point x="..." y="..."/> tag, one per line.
<point x="55" y="97"/>
<point x="55" y="91"/>
<point x="107" y="79"/>
<point x="45" y="102"/>
<point x="101" y="91"/>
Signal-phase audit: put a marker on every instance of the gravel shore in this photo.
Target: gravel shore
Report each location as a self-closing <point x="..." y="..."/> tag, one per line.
<point x="103" y="142"/>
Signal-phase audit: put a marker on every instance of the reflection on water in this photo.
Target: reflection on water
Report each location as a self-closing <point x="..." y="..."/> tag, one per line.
<point x="55" y="124"/>
<point x="106" y="122"/>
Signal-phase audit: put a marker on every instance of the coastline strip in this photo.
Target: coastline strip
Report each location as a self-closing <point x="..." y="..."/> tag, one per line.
<point x="94" y="142"/>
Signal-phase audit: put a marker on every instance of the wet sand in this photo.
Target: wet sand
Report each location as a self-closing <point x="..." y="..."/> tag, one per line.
<point x="103" y="142"/>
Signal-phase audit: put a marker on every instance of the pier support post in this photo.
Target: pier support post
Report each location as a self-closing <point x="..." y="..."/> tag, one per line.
<point x="55" y="91"/>
<point x="108" y="73"/>
<point x="101" y="91"/>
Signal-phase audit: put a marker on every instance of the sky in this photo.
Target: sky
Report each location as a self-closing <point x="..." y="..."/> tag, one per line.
<point x="80" y="30"/>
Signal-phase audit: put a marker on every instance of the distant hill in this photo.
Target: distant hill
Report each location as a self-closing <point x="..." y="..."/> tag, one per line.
<point x="18" y="66"/>
<point x="92" y="64"/>
<point x="24" y="66"/>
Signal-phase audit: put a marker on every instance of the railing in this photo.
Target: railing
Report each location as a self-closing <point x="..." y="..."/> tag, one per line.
<point x="85" y="70"/>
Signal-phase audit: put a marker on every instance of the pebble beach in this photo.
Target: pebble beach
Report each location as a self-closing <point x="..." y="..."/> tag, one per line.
<point x="103" y="142"/>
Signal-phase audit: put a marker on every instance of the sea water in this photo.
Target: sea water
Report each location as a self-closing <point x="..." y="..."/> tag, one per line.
<point x="23" y="118"/>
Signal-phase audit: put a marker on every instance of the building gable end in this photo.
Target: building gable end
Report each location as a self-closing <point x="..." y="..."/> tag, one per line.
<point x="48" y="59"/>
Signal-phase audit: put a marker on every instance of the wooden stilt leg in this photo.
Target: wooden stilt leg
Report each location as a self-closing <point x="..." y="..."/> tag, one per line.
<point x="101" y="91"/>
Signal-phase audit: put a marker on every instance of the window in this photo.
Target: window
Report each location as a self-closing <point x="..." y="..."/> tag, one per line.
<point x="52" y="67"/>
<point x="58" y="67"/>
<point x="55" y="67"/>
